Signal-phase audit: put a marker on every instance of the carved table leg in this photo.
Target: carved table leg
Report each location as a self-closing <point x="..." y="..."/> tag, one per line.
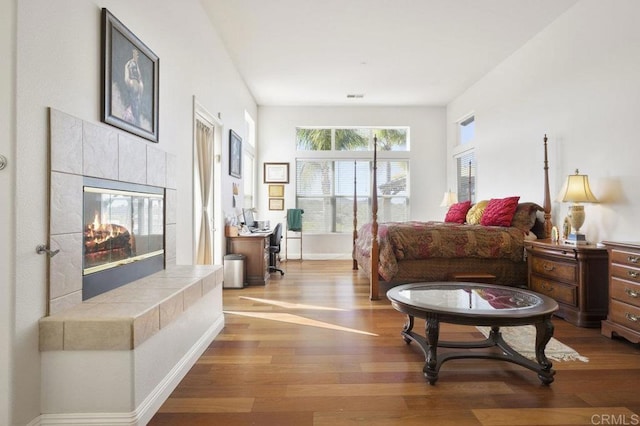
<point x="544" y="332"/>
<point x="432" y="332"/>
<point x="408" y="326"/>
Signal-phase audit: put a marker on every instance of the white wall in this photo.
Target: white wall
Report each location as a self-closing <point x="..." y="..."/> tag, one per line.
<point x="7" y="217"/>
<point x="276" y="143"/>
<point x="58" y="65"/>
<point x="578" y="81"/>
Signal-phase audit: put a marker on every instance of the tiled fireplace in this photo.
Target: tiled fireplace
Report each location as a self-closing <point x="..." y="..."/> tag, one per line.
<point x="123" y="234"/>
<point x="120" y="354"/>
<point x="119" y="188"/>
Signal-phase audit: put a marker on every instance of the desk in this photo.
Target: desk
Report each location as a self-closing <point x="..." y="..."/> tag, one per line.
<point x="256" y="249"/>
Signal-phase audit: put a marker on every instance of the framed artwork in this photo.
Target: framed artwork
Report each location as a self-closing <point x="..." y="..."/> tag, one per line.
<point x="276" y="191"/>
<point x="276" y="203"/>
<point x="130" y="76"/>
<point x="276" y="172"/>
<point x="235" y="154"/>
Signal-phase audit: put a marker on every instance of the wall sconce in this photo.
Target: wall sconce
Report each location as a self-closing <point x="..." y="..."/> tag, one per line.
<point x="577" y="191"/>
<point x="449" y="199"/>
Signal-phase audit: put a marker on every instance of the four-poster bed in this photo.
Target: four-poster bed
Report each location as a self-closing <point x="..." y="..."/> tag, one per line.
<point x="432" y="251"/>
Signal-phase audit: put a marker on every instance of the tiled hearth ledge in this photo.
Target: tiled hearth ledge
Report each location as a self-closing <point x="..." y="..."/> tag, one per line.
<point x="123" y="318"/>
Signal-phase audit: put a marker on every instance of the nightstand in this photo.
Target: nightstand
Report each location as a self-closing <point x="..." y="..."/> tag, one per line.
<point x="575" y="276"/>
<point x="624" y="291"/>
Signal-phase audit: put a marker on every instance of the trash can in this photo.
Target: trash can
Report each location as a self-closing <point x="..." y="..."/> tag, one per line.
<point x="234" y="275"/>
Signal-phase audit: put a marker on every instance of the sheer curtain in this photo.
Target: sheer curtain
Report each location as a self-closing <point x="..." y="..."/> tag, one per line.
<point x="204" y="144"/>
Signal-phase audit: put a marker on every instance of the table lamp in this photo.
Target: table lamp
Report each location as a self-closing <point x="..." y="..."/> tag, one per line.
<point x="449" y="199"/>
<point x="577" y="191"/>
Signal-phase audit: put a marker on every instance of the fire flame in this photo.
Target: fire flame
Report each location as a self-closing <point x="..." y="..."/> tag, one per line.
<point x="99" y="233"/>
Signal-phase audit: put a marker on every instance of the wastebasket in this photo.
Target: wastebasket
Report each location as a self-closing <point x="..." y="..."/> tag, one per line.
<point x="234" y="271"/>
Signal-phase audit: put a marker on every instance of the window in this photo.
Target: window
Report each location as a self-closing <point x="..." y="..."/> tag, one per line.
<point x="465" y="158"/>
<point x="466" y="130"/>
<point x="466" y="176"/>
<point x="352" y="139"/>
<point x="335" y="160"/>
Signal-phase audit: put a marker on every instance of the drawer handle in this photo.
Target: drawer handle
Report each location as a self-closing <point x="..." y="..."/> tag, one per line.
<point x="548" y="267"/>
<point x="631" y="317"/>
<point x="547" y="287"/>
<point x="633" y="259"/>
<point x="630" y="292"/>
<point x="633" y="274"/>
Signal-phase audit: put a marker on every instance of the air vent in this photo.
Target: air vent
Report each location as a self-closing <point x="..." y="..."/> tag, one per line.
<point x="355" y="96"/>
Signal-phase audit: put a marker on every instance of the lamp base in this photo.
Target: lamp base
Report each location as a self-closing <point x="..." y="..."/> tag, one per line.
<point x="576" y="239"/>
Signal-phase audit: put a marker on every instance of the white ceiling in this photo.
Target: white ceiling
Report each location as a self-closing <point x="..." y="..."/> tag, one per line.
<point x="402" y="52"/>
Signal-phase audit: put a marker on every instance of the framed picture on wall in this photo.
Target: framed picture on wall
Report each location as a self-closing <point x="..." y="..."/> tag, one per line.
<point x="130" y="75"/>
<point x="276" y="203"/>
<point x="235" y="154"/>
<point x="276" y="191"/>
<point x="276" y="172"/>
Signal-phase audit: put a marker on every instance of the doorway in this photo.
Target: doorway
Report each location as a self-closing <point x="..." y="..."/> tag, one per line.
<point x="207" y="143"/>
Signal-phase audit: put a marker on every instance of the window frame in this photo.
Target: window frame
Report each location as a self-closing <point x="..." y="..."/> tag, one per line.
<point x="465" y="149"/>
<point x="334" y="155"/>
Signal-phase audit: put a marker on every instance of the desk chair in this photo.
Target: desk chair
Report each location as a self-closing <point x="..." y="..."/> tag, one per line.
<point x="274" y="249"/>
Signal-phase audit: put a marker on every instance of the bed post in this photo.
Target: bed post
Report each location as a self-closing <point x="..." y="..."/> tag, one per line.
<point x="547" y="197"/>
<point x="355" y="213"/>
<point x="373" y="280"/>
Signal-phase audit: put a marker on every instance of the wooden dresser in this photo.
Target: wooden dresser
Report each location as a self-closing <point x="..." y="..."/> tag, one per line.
<point x="575" y="276"/>
<point x="256" y="249"/>
<point x="624" y="291"/>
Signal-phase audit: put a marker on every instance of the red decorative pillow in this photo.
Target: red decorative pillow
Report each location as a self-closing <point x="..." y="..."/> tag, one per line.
<point x="458" y="212"/>
<point x="499" y="211"/>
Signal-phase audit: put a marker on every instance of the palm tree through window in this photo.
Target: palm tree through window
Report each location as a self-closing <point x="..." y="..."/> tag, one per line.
<point x="332" y="160"/>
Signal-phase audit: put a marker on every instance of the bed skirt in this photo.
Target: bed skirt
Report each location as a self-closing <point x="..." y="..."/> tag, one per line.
<point x="507" y="272"/>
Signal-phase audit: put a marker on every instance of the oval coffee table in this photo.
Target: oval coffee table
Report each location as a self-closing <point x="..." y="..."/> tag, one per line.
<point x="479" y="305"/>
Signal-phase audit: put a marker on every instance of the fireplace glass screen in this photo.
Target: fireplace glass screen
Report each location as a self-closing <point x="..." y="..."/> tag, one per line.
<point x="121" y="227"/>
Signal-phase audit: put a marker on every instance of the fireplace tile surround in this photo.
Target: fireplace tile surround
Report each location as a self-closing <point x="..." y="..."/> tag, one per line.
<point x="79" y="148"/>
<point x="117" y="356"/>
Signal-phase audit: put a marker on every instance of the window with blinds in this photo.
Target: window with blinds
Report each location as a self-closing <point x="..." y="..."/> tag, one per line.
<point x="466" y="176"/>
<point x="325" y="190"/>
<point x="338" y="158"/>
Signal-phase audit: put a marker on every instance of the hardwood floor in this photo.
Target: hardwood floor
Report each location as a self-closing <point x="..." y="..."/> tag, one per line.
<point x="311" y="349"/>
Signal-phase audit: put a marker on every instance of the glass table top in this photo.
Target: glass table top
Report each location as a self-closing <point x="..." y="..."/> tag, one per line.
<point x="465" y="297"/>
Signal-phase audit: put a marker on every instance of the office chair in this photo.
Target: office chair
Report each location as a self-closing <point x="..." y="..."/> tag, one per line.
<point x="274" y="249"/>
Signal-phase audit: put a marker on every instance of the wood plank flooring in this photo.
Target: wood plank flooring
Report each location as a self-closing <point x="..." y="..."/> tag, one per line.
<point x="310" y="348"/>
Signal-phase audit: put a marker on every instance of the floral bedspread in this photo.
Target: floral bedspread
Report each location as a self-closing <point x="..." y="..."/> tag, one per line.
<point x="422" y="240"/>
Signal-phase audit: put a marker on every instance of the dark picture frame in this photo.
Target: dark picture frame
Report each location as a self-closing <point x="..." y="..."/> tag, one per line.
<point x="235" y="154"/>
<point x="130" y="75"/>
<point x="276" y="172"/>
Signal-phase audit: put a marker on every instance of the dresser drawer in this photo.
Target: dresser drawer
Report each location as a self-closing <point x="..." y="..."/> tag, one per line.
<point x="560" y="292"/>
<point x="625" y="315"/>
<point x="625" y="258"/>
<point x="625" y="272"/>
<point x="625" y="291"/>
<point x="554" y="269"/>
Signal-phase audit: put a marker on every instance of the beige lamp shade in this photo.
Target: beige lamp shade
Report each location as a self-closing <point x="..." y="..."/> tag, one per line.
<point x="578" y="191"/>
<point x="449" y="199"/>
